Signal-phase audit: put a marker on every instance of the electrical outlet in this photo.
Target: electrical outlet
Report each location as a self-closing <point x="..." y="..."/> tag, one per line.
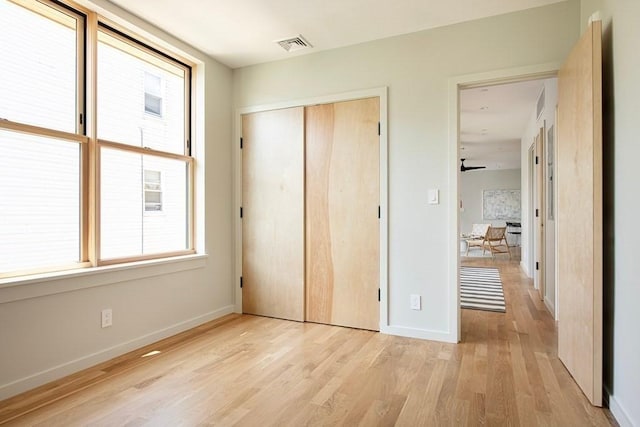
<point x="107" y="317"/>
<point x="415" y="302"/>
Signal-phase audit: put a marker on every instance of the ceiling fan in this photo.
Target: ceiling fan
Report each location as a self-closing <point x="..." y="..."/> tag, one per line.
<point x="464" y="168"/>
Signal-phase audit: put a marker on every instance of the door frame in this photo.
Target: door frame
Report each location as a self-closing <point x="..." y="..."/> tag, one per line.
<point x="379" y="92"/>
<point x="456" y="84"/>
<point x="539" y="230"/>
<point x="531" y="221"/>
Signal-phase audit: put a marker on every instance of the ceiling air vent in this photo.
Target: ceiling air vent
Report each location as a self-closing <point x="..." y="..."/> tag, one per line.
<point x="294" y="43"/>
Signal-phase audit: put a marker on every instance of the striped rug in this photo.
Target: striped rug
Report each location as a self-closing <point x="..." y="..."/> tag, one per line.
<point x="481" y="289"/>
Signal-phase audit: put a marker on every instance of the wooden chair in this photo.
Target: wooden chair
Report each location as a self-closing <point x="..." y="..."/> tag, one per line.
<point x="476" y="237"/>
<point x="496" y="241"/>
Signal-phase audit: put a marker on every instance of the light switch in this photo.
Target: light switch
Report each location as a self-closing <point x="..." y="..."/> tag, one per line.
<point x="415" y="302"/>
<point x="433" y="197"/>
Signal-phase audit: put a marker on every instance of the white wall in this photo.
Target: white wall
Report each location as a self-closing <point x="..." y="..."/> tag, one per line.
<point x="50" y="328"/>
<point x="416" y="68"/>
<point x="621" y="88"/>
<point x="546" y="120"/>
<point x="473" y="183"/>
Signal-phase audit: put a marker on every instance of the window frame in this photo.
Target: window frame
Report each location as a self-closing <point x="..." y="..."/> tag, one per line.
<point x="50" y="10"/>
<point x="89" y="23"/>
<point x="139" y="43"/>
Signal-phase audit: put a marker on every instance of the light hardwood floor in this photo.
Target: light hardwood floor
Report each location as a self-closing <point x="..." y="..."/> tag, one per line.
<point x="258" y="371"/>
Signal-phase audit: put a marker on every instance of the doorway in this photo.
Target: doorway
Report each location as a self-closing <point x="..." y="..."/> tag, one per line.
<point x="525" y="159"/>
<point x="501" y="123"/>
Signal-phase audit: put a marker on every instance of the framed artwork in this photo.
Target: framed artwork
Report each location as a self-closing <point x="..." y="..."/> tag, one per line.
<point x="501" y="204"/>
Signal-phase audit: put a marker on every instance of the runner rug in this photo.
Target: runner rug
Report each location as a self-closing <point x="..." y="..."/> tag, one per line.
<point x="481" y="289"/>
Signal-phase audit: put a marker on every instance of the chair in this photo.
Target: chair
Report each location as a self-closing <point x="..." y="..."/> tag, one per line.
<point x="496" y="241"/>
<point x="476" y="237"/>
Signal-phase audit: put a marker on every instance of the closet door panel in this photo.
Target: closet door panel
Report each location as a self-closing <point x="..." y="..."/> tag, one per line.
<point x="273" y="213"/>
<point x="342" y="225"/>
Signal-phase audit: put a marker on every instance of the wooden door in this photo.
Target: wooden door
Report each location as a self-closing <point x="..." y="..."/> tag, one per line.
<point x="540" y="214"/>
<point x="579" y="213"/>
<point x="273" y="213"/>
<point x="342" y="202"/>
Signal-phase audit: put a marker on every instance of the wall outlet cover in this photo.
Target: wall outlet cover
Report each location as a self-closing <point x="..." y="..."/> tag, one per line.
<point x="107" y="318"/>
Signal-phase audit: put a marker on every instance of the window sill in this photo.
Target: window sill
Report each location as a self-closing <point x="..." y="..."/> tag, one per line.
<point x="43" y="284"/>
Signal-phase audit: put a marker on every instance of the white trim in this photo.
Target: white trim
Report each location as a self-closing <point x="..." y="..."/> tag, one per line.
<point x="523" y="265"/>
<point x="618" y="412"/>
<point x="40" y="285"/>
<point x="531" y="219"/>
<point x="381" y="93"/>
<point x="56" y="372"/>
<point x="551" y="308"/>
<point x="555" y="216"/>
<point x="323" y="99"/>
<point x="425" y="334"/>
<point x="455" y="84"/>
<point x="453" y="240"/>
<point x="384" y="211"/>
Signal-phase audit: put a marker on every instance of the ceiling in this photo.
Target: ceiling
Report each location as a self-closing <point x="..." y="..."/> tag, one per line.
<point x="242" y="32"/>
<point x="493" y="120"/>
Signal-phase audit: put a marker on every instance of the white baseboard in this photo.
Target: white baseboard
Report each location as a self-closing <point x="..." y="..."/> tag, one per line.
<point x="32" y="381"/>
<point x="424" y="334"/>
<point x="619" y="413"/>
<point x="550" y="307"/>
<point x="525" y="269"/>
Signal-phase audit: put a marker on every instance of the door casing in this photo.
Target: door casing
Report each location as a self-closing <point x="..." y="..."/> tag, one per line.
<point x="381" y="93"/>
<point x="539" y="208"/>
<point x="456" y="84"/>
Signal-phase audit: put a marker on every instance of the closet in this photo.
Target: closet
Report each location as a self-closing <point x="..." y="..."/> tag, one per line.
<point x="310" y="213"/>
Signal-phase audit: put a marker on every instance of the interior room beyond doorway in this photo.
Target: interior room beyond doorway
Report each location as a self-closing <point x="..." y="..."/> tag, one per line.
<point x="498" y="125"/>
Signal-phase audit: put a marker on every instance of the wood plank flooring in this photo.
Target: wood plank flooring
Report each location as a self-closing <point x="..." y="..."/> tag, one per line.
<point x="257" y="371"/>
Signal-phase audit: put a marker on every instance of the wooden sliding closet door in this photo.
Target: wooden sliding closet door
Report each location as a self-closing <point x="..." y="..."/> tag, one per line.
<point x="342" y="225"/>
<point x="273" y="213"/>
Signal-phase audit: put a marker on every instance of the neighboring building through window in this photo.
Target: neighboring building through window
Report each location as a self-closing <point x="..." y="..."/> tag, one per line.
<point x="152" y="94"/>
<point x="152" y="191"/>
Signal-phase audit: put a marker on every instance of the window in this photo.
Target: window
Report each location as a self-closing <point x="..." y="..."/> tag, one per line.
<point x="152" y="191"/>
<point x="39" y="202"/>
<point x="41" y="138"/>
<point x="126" y="72"/>
<point x="152" y="94"/>
<point x="133" y="145"/>
<point x="75" y="193"/>
<point x="40" y="79"/>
